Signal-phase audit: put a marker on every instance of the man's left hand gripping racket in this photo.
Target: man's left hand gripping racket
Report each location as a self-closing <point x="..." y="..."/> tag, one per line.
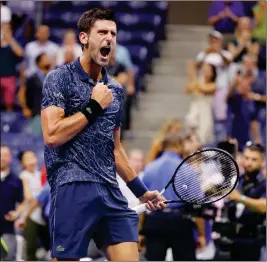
<point x="202" y="178"/>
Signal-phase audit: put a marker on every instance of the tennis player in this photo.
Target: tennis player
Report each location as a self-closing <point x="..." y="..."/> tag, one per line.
<point x="81" y="118"/>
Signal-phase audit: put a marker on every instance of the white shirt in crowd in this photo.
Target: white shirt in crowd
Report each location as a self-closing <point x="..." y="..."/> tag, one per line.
<point x="33" y="49"/>
<point x="77" y="51"/>
<point x="4" y="174"/>
<point x="5" y="14"/>
<point x="35" y="185"/>
<point x="217" y="60"/>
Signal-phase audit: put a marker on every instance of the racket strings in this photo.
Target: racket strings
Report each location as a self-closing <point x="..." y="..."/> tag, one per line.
<point x="205" y="177"/>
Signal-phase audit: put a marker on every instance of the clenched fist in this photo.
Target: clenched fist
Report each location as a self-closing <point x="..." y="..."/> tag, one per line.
<point x="102" y="95"/>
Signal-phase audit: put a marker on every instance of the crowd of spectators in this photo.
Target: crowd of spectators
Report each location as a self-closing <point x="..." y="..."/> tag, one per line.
<point x="227" y="82"/>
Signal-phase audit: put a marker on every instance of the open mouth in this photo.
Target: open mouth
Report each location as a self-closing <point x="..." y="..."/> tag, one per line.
<point x="104" y="51"/>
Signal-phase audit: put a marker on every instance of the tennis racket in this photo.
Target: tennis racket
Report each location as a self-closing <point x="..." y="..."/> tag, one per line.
<point x="202" y="178"/>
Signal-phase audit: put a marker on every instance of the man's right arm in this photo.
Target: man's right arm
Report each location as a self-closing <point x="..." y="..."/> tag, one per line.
<point x="58" y="129"/>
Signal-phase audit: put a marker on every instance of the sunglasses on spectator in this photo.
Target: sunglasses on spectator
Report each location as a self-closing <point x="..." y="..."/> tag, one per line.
<point x="250" y="144"/>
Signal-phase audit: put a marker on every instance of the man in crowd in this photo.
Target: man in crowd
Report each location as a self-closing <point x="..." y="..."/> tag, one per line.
<point x="11" y="203"/>
<point x="172" y="227"/>
<point x="251" y="207"/>
<point x="30" y="97"/>
<point x="241" y="105"/>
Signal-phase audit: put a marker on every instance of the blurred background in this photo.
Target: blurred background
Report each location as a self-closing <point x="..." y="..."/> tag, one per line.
<point x="194" y="67"/>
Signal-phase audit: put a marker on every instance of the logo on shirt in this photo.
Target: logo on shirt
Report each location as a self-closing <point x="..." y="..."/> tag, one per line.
<point x="89" y="110"/>
<point x="60" y="249"/>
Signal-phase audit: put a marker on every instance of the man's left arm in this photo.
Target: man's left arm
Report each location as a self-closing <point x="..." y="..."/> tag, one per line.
<point x="126" y="172"/>
<point x="253" y="204"/>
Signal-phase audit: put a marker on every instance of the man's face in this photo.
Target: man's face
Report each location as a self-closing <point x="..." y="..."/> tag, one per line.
<point x="5" y="158"/>
<point x="252" y="161"/>
<point x="45" y="63"/>
<point x="102" y="42"/>
<point x="136" y="159"/>
<point x="42" y="33"/>
<point x="216" y="43"/>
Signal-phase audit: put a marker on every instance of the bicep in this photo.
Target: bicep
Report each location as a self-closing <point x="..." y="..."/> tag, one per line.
<point x="49" y="117"/>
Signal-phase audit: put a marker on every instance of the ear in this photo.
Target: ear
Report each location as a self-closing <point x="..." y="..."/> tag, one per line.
<point x="83" y="38"/>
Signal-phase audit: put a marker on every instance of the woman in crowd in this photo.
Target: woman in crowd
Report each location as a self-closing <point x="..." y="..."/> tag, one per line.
<point x="202" y="87"/>
<point x="243" y="43"/>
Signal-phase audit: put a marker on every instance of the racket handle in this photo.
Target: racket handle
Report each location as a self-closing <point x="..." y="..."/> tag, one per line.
<point x="140" y="208"/>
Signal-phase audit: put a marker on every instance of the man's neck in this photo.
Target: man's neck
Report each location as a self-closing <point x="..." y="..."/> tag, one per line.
<point x="92" y="69"/>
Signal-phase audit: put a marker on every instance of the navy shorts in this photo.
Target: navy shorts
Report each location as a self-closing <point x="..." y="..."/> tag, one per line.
<point x="81" y="211"/>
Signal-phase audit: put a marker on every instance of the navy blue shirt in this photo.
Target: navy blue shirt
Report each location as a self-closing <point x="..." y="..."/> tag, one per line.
<point x="244" y="112"/>
<point x="89" y="156"/>
<point x="254" y="187"/>
<point x="11" y="193"/>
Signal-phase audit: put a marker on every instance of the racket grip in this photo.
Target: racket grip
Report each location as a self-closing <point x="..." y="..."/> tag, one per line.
<point x="140" y="208"/>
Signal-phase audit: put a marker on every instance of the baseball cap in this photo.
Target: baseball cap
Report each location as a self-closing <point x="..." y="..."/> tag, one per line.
<point x="216" y="34"/>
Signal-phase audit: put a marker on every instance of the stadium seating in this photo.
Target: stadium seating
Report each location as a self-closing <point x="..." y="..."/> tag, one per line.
<point x="140" y="26"/>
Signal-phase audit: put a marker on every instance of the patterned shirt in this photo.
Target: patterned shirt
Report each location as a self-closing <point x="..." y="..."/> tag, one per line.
<point x="89" y="156"/>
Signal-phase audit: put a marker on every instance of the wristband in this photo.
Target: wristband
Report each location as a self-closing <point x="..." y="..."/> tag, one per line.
<point x="92" y="111"/>
<point x="137" y="187"/>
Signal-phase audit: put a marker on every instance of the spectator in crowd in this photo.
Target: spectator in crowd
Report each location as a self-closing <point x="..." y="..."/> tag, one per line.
<point x="36" y="227"/>
<point x="42" y="201"/>
<point x="170" y="126"/>
<point x="244" y="42"/>
<point x="70" y="50"/>
<point x="11" y="203"/>
<point x="35" y="48"/>
<point x="200" y="118"/>
<point x="224" y="15"/>
<point x="172" y="227"/>
<point x="215" y="55"/>
<point x="5" y="14"/>
<point x="251" y="207"/>
<point x="30" y="97"/>
<point x="11" y="53"/>
<point x="242" y="107"/>
<point x="259" y="12"/>
<point x="123" y="57"/>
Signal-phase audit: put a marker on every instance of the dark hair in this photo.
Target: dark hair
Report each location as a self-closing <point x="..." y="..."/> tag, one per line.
<point x="38" y="58"/>
<point x="255" y="147"/>
<point x="89" y="17"/>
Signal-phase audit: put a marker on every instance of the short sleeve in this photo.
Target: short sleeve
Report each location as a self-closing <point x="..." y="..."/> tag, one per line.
<point x="53" y="90"/>
<point x="119" y="117"/>
<point x="200" y="57"/>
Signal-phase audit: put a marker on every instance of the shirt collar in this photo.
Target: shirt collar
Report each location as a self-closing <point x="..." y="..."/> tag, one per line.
<point x="171" y="154"/>
<point x="84" y="76"/>
<point x="4" y="174"/>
